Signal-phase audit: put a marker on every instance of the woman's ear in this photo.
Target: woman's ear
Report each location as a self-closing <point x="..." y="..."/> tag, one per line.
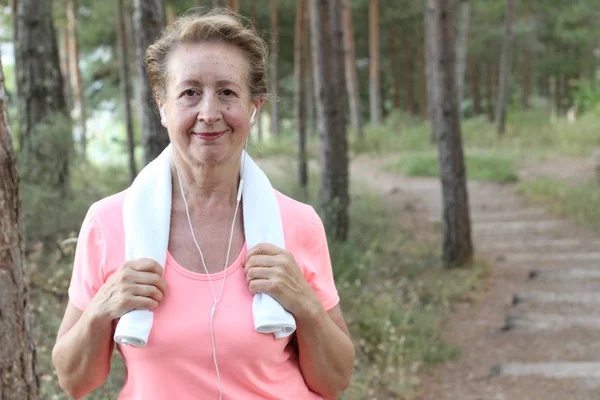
<point x="257" y="105"/>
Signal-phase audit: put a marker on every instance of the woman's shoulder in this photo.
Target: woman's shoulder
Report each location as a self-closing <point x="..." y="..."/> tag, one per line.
<point x="298" y="218"/>
<point x="108" y="211"/>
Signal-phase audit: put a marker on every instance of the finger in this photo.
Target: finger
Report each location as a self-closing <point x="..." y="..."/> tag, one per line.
<point x="149" y="278"/>
<point x="149" y="291"/>
<point x="141" y="303"/>
<point x="263" y="248"/>
<point x="258" y="273"/>
<point x="260" y="286"/>
<point x="261" y="260"/>
<point x="147" y="265"/>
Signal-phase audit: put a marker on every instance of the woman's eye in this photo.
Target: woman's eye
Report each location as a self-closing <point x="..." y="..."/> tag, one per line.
<point x="227" y="92"/>
<point x="190" y="92"/>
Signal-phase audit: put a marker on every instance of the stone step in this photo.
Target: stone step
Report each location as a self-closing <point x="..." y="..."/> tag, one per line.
<point x="554" y="370"/>
<point x="521" y="226"/>
<point x="563" y="274"/>
<point x="591" y="258"/>
<point x="586" y="298"/>
<point x="550" y="322"/>
<point x="540" y="243"/>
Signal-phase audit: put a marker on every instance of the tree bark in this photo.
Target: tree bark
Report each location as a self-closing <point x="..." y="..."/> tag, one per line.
<point x="458" y="248"/>
<point x="475" y="86"/>
<point x="40" y="91"/>
<point x="374" y="64"/>
<point x="505" y="69"/>
<point x="148" y="20"/>
<point x="63" y="55"/>
<point x="79" y="111"/>
<point x="424" y="77"/>
<point x="489" y="91"/>
<point x="410" y="87"/>
<point x="18" y="379"/>
<point x="328" y="58"/>
<point x="351" y="78"/>
<point x="526" y="77"/>
<point x="170" y="13"/>
<point x="300" y="101"/>
<point x="234" y="5"/>
<point x="275" y="122"/>
<point x="125" y="86"/>
<point x="432" y="52"/>
<point x="462" y="44"/>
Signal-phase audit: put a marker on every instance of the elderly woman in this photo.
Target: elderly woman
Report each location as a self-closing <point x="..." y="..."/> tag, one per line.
<point x="208" y="76"/>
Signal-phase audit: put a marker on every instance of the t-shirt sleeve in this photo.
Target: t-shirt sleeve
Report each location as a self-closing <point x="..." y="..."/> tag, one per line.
<point x="88" y="265"/>
<point x="316" y="261"/>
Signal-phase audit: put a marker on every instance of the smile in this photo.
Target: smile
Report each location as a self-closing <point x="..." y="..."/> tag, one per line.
<point x="209" y="135"/>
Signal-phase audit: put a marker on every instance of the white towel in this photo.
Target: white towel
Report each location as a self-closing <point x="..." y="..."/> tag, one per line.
<point x="147" y="218"/>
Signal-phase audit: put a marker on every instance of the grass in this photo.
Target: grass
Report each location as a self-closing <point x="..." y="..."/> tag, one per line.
<point x="580" y="202"/>
<point x="484" y="166"/>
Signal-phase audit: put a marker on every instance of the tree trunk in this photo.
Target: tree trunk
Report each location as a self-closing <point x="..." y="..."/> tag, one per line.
<point x="300" y="100"/>
<point x="65" y="62"/>
<point x="18" y="380"/>
<point x="458" y="248"/>
<point x="328" y="58"/>
<point x="351" y="78"/>
<point x="424" y="77"/>
<point x="431" y="55"/>
<point x="219" y="3"/>
<point x="125" y="86"/>
<point x="505" y="69"/>
<point x="148" y="19"/>
<point x="410" y="87"/>
<point x="40" y="93"/>
<point x="396" y="69"/>
<point x="253" y="13"/>
<point x="234" y="5"/>
<point x="557" y="95"/>
<point x="489" y="91"/>
<point x="75" y="76"/>
<point x="475" y="86"/>
<point x="311" y="102"/>
<point x="374" y="67"/>
<point x="462" y="44"/>
<point x="275" y="122"/>
<point x="526" y="77"/>
<point x="169" y="11"/>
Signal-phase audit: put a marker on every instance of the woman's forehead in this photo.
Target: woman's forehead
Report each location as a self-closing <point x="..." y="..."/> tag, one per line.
<point x="207" y="63"/>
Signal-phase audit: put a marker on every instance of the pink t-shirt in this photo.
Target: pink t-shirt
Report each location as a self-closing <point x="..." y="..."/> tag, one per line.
<point x="177" y="362"/>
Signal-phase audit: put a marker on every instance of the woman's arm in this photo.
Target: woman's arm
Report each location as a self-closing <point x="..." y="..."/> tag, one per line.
<point x="84" y="345"/>
<point x="326" y="353"/>
<point x="82" y="351"/>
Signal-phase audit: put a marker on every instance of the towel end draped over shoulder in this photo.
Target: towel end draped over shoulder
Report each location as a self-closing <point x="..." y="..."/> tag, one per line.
<point x="146" y="219"/>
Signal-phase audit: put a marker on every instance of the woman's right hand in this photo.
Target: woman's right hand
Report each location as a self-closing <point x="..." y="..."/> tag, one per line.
<point x="138" y="284"/>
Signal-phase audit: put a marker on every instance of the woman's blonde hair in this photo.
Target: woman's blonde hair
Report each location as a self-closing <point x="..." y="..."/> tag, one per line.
<point x="218" y="25"/>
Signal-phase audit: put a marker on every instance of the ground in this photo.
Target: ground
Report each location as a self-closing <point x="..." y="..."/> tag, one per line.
<point x="529" y="333"/>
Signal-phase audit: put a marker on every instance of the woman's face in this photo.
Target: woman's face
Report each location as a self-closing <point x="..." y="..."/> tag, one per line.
<point x="207" y="108"/>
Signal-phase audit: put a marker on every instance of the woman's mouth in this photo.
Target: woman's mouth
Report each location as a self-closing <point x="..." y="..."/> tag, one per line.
<point x="209" y="135"/>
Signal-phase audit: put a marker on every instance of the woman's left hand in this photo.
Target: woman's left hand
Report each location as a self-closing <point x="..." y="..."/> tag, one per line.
<point x="272" y="270"/>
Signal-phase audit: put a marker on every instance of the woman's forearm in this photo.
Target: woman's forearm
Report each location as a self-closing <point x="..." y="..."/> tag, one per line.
<point x="326" y="354"/>
<point x="82" y="355"/>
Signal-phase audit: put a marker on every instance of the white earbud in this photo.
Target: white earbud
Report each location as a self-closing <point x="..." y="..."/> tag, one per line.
<point x="252" y="120"/>
<point x="163" y="116"/>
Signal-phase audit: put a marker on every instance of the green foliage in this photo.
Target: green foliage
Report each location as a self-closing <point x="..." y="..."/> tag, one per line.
<point x="393" y="291"/>
<point x="586" y="96"/>
<point x="485" y="166"/>
<point x="580" y="202"/>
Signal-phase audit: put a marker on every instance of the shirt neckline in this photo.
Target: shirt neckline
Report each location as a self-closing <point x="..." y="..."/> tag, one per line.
<point x="234" y="266"/>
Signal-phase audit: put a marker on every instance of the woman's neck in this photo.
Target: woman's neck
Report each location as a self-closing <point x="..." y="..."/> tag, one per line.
<point x="207" y="185"/>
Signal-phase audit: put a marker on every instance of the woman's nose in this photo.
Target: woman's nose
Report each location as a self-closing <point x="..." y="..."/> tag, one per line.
<point x="209" y="111"/>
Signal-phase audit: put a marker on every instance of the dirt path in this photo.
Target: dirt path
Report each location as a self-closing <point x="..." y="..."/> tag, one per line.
<point x="533" y="333"/>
